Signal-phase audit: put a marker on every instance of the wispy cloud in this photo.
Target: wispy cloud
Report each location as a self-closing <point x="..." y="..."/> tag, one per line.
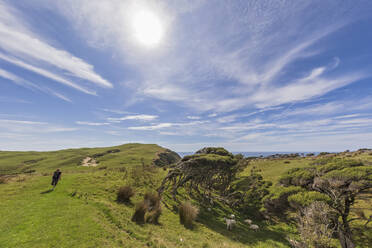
<point x="193" y="117"/>
<point x="92" y="123"/>
<point x="240" y="67"/>
<point x="167" y="125"/>
<point x="32" y="127"/>
<point x="33" y="52"/>
<point x="141" y="117"/>
<point x="24" y="83"/>
<point x="152" y="127"/>
<point x="22" y="122"/>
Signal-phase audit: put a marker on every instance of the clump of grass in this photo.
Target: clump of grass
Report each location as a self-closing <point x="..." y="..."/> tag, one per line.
<point x="124" y="194"/>
<point x="2" y="180"/>
<point x="153" y="216"/>
<point x="153" y="200"/>
<point x="188" y="214"/>
<point x="139" y="213"/>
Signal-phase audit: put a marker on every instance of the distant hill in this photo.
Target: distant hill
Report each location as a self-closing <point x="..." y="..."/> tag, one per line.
<point x="72" y="159"/>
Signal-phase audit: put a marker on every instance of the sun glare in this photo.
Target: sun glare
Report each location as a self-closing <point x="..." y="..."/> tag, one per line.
<point x="148" y="29"/>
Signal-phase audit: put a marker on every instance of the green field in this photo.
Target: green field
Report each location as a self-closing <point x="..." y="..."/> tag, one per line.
<point x="83" y="212"/>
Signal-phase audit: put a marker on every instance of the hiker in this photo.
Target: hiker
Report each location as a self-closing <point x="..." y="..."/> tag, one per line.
<point x="56" y="177"/>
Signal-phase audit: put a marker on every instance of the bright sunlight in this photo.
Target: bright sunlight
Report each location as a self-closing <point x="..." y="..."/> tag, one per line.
<point x="148" y="29"/>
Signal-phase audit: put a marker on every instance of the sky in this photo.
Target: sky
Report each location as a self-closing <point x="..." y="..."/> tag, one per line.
<point x="250" y="75"/>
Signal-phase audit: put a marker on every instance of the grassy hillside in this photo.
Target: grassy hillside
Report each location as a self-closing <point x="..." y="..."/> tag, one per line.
<point x="83" y="212"/>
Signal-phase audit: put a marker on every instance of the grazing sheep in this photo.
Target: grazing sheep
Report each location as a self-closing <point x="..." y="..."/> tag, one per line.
<point x="209" y="209"/>
<point x="248" y="221"/>
<point x="230" y="223"/>
<point x="254" y="227"/>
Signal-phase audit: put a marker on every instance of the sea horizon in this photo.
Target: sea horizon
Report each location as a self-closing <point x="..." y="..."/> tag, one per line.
<point x="255" y="154"/>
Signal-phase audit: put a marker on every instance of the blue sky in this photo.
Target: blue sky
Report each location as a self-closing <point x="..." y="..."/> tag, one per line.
<point x="248" y="75"/>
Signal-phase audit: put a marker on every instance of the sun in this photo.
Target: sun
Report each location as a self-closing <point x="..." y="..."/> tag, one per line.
<point x="147" y="27"/>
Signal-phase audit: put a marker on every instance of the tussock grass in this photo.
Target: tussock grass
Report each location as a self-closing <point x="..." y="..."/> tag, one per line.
<point x="124" y="194"/>
<point x="188" y="214"/>
<point x="139" y="213"/>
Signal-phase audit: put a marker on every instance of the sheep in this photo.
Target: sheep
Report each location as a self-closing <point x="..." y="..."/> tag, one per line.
<point x="248" y="221"/>
<point x="254" y="227"/>
<point x="230" y="223"/>
<point x="209" y="209"/>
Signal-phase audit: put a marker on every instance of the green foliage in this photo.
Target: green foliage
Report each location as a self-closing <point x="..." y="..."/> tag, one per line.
<point x="277" y="202"/>
<point x="252" y="189"/>
<point x="204" y="171"/>
<point x="339" y="182"/>
<point x="304" y="199"/>
<point x="166" y="157"/>
<point x="215" y="150"/>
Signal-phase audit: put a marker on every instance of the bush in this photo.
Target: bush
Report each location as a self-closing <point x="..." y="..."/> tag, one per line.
<point x="277" y="202"/>
<point x="188" y="214"/>
<point x="139" y="214"/>
<point x="315" y="225"/>
<point x="124" y="194"/>
<point x="304" y="199"/>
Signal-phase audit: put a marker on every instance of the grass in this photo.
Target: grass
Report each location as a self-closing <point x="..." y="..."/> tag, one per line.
<point x="83" y="212"/>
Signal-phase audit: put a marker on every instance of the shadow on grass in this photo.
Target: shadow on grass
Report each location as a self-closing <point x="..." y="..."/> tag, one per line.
<point x="241" y="232"/>
<point x="47" y="191"/>
<point x="213" y="220"/>
<point x="126" y="203"/>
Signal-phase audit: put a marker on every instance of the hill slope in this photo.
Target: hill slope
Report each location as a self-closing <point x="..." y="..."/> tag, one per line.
<point x="83" y="212"/>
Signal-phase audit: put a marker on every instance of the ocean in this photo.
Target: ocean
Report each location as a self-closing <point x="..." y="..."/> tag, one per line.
<point x="252" y="154"/>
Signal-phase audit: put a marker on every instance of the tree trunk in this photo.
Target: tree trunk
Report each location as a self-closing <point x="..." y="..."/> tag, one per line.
<point x="345" y="239"/>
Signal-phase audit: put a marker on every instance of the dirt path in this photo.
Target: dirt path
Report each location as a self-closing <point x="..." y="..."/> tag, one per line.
<point x="88" y="161"/>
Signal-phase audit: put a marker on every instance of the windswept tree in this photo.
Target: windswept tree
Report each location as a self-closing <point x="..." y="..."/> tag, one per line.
<point x="342" y="182"/>
<point x="208" y="169"/>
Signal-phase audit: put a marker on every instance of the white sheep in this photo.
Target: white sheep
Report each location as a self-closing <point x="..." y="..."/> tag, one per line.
<point x="230" y="223"/>
<point x="254" y="227"/>
<point x="248" y="221"/>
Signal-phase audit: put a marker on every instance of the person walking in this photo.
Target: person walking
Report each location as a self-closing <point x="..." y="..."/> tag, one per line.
<point x="56" y="177"/>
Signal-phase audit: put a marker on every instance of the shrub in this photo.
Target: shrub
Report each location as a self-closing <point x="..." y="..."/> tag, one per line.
<point x="187" y="213"/>
<point x="277" y="202"/>
<point x="139" y="213"/>
<point x="304" y="199"/>
<point x="315" y="225"/>
<point x="124" y="194"/>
